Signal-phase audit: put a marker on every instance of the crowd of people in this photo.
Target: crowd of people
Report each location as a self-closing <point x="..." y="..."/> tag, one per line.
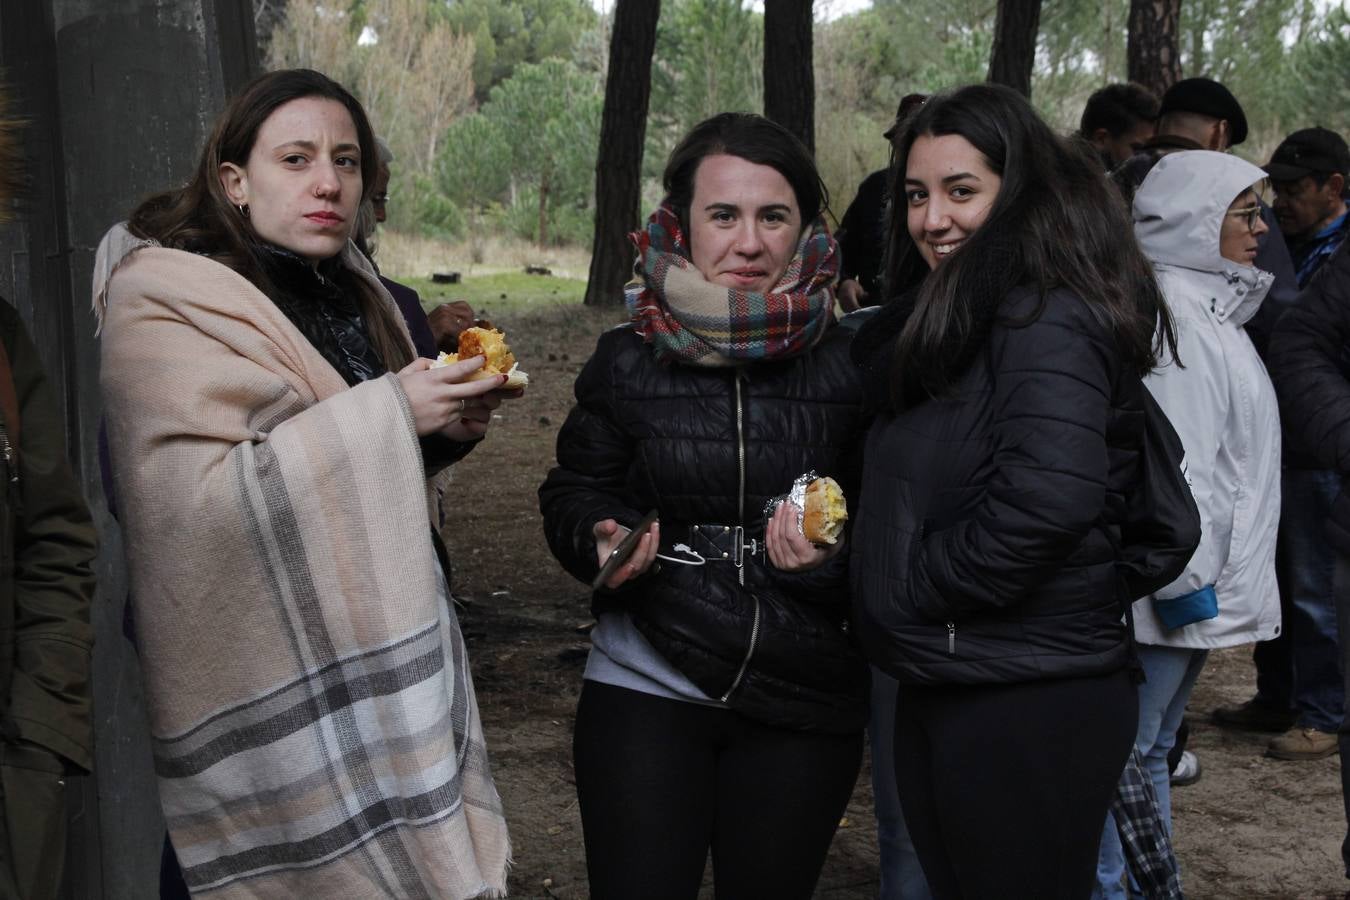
<point x="1086" y="397"/>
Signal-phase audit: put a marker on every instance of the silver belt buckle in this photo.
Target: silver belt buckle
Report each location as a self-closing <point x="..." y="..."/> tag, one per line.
<point x="740" y="546"/>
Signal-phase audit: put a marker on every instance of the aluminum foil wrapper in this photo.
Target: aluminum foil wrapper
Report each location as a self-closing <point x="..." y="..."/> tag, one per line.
<point x="796" y="496"/>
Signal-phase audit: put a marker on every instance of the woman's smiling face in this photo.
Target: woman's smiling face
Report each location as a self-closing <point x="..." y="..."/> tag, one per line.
<point x="949" y="189"/>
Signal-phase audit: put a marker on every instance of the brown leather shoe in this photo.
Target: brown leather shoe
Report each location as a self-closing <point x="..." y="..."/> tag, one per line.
<point x="1254" y="715"/>
<point x="1302" y="743"/>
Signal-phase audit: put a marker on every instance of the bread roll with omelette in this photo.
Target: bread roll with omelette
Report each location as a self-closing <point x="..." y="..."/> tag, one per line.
<point x="490" y="344"/>
<point x="824" y="511"/>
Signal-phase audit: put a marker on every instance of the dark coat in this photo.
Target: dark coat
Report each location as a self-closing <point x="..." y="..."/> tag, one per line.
<point x="645" y="435"/>
<point x="410" y="305"/>
<point x="984" y="550"/>
<point x="47" y="548"/>
<point x="1309" y="361"/>
<point x="862" y="235"/>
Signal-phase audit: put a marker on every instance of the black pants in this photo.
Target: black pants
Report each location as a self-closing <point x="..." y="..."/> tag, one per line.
<point x="662" y="781"/>
<point x="1005" y="787"/>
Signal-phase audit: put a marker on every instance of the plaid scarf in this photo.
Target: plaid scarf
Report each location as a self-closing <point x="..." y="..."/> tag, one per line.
<point x="688" y="319"/>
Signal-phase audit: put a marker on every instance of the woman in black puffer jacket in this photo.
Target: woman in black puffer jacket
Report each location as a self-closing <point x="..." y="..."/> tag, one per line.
<point x="724" y="703"/>
<point x="985" y="553"/>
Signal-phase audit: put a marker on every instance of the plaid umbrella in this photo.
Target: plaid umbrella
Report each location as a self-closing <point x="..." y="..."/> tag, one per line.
<point x="1143" y="834"/>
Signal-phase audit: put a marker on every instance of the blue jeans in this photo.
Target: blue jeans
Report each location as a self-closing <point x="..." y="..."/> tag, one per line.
<point x="1302" y="667"/>
<point x="1170" y="674"/>
<point x="901" y="876"/>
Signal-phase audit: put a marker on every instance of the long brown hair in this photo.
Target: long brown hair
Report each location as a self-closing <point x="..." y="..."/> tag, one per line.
<point x="198" y="217"/>
<point x="1065" y="224"/>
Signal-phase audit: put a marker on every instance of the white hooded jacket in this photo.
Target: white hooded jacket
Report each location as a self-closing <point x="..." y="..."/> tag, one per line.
<point x="1222" y="403"/>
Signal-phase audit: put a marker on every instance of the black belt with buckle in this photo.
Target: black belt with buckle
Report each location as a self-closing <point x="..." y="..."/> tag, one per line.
<point x="724" y="543"/>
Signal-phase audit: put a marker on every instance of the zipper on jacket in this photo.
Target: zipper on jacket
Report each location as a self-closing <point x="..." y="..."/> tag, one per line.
<point x="749" y="652"/>
<point x="951" y="638"/>
<point x="740" y="513"/>
<point x="740" y="495"/>
<point x="7" y="453"/>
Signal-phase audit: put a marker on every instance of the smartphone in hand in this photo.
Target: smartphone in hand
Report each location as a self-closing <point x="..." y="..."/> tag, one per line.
<point x="619" y="555"/>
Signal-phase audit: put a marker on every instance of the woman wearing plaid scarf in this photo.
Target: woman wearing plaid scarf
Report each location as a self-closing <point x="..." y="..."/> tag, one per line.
<point x="724" y="700"/>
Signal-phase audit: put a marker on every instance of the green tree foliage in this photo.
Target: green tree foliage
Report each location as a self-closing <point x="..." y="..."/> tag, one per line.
<point x="1319" y="76"/>
<point x="1285" y="60"/>
<point x="527" y="159"/>
<point x="510" y="33"/>
<point x="867" y="61"/>
<point x="707" y="60"/>
<point x="411" y="72"/>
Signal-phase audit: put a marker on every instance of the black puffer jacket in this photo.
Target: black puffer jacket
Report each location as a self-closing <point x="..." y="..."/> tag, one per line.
<point x="711" y="446"/>
<point x="984" y="547"/>
<point x="1309" y="362"/>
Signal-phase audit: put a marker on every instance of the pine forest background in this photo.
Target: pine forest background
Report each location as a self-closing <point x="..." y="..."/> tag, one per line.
<point x="493" y="107"/>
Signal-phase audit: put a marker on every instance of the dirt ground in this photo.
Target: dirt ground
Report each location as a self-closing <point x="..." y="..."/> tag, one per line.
<point x="1250" y="828"/>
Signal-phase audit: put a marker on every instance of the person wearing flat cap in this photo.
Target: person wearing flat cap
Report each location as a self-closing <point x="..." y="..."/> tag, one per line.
<point x="1298" y="683"/>
<point x="1308" y="171"/>
<point x="1204" y="111"/>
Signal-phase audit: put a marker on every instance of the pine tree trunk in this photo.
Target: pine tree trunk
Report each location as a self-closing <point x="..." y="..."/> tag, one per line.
<point x="1154" y="57"/>
<point x="618" y="167"/>
<point x="543" y="211"/>
<point x="789" y="68"/>
<point x="1014" y="51"/>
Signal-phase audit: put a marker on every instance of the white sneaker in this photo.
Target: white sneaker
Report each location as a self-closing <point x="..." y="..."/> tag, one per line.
<point x="1187" y="770"/>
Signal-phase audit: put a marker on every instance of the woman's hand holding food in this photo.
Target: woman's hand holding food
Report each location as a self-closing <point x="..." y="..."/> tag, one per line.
<point x="444" y="400"/>
<point x="609" y="534"/>
<point x="788" y="549"/>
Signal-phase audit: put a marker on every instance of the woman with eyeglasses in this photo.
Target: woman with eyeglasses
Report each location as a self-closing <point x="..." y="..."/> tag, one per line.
<point x="1198" y="220"/>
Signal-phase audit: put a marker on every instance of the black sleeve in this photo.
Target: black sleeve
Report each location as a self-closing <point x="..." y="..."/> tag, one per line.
<point x="594" y="454"/>
<point x="1310" y="363"/>
<point x="439" y="451"/>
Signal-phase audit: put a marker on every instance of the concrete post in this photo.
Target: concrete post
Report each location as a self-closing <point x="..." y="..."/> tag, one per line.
<point x="119" y="95"/>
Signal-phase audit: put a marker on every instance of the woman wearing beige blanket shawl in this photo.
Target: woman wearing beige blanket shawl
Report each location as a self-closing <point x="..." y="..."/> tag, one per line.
<point x="314" y="723"/>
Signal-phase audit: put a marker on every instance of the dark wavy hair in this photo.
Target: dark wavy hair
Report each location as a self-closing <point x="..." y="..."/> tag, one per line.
<point x="754" y="139"/>
<point x="199" y="217"/>
<point x="1055" y="209"/>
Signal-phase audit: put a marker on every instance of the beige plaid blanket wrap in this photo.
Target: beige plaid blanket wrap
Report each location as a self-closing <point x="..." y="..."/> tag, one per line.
<point x="314" y="726"/>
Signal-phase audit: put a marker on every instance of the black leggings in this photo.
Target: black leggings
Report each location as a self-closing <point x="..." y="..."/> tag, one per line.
<point x="1005" y="787"/>
<point x="660" y="781"/>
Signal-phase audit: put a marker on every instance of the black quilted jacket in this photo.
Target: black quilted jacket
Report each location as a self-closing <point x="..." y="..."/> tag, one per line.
<point x="711" y="446"/>
<point x="1309" y="361"/>
<point x="984" y="547"/>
